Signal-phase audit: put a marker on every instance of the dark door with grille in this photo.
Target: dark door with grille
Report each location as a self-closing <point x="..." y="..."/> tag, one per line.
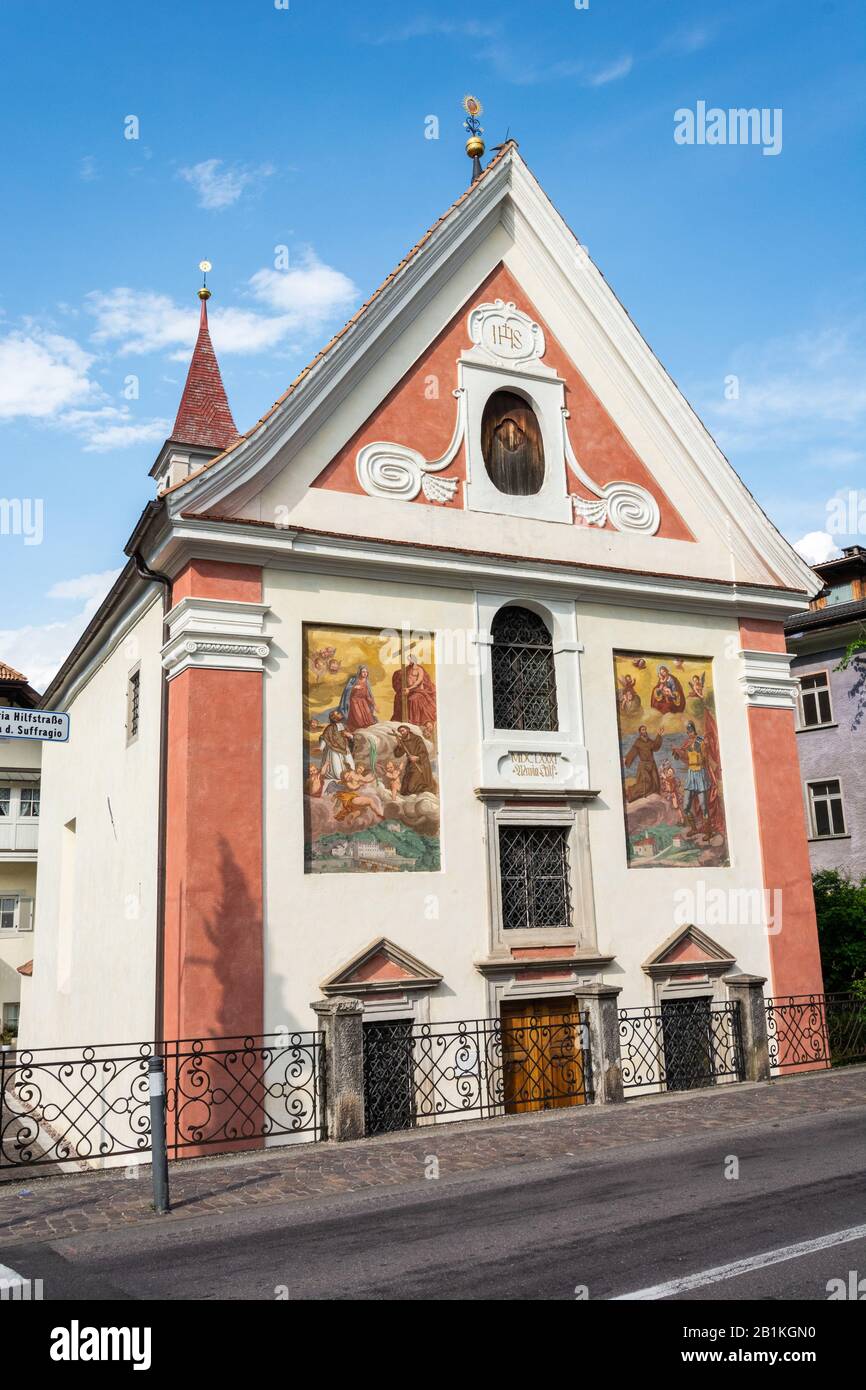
<point x="388" y="1081"/>
<point x="688" y="1044"/>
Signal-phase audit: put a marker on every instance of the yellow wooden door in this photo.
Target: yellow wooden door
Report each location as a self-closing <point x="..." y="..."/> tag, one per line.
<point x="542" y="1057"/>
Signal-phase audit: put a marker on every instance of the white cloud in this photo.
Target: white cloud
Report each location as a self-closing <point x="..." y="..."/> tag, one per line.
<point x="304" y="297"/>
<point x="816" y="547"/>
<point x="140" y="320"/>
<point x="39" y="650"/>
<point x="219" y="185"/>
<point x="612" y="72"/>
<point x="41" y="374"/>
<point x="690" y="39"/>
<point x="310" y="291"/>
<point x="88" y="171"/>
<point x="434" y="28"/>
<point x="87" y="586"/>
<point x="112" y="427"/>
<point x="807" y="391"/>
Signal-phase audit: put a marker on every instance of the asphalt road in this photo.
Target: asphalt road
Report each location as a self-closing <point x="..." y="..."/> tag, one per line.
<point x="616" y="1224"/>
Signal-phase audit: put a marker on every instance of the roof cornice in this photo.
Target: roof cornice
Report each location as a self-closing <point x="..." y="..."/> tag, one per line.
<point x="297" y="548"/>
<point x="296" y="416"/>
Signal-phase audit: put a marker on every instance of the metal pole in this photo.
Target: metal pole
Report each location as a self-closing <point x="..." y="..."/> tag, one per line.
<point x="159" y="1153"/>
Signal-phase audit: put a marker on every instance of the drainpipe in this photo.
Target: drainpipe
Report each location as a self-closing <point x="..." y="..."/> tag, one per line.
<point x="156" y="577"/>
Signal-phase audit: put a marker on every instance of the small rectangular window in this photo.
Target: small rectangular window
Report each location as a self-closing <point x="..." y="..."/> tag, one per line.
<point x="828" y="817"/>
<point x="534" y="877"/>
<point x="815" y="700"/>
<point x="8" y="912"/>
<point x="29" y="804"/>
<point x="133" y="691"/>
<point x="5" y="800"/>
<point x="10" y="1018"/>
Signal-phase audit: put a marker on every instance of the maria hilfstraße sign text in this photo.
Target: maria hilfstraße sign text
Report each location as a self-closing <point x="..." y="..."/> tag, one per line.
<point x="49" y="725"/>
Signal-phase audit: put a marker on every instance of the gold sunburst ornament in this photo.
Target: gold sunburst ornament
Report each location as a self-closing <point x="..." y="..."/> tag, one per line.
<point x="204" y="267"/>
<point x="474" y="145"/>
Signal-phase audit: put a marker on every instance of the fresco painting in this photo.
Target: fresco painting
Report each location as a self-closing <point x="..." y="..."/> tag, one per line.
<point x="669" y="761"/>
<point x="371" y="768"/>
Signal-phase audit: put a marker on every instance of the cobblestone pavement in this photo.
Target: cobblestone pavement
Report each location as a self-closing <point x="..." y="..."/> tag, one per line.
<point x="34" y="1208"/>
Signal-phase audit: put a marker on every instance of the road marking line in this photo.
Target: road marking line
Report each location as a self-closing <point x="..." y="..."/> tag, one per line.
<point x="721" y="1272"/>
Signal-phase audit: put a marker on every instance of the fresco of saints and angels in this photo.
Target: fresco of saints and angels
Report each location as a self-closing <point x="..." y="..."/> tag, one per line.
<point x="669" y="761"/>
<point x="371" y="772"/>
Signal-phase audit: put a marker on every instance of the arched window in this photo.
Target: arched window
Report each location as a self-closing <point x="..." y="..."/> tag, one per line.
<point x="511" y="445"/>
<point x="524" y="679"/>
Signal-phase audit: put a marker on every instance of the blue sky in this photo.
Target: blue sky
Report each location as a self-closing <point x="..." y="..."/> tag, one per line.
<point x="260" y="127"/>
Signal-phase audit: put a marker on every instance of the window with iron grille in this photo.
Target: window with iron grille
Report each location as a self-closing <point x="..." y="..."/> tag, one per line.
<point x="29" y="804"/>
<point x="828" y="817"/>
<point x="815" y="700"/>
<point x="523" y="672"/>
<point x="132" y="702"/>
<point x="534" y="877"/>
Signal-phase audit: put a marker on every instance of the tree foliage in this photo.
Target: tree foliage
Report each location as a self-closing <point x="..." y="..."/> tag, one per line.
<point x="840" y="905"/>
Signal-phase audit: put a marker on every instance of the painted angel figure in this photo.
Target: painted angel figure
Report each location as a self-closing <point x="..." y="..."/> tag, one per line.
<point x="629" y="700"/>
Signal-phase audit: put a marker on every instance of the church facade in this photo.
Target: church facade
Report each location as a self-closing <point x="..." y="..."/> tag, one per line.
<point x="455" y="684"/>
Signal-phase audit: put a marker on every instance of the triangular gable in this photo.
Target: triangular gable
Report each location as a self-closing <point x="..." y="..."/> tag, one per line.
<point x="688" y="950"/>
<point x="419" y="413"/>
<point x="381" y="966"/>
<point x="631" y="413"/>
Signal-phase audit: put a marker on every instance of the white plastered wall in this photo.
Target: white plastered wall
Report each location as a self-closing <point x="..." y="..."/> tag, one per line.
<point x="635" y="907"/>
<point x="93" y="974"/>
<point x="315" y="922"/>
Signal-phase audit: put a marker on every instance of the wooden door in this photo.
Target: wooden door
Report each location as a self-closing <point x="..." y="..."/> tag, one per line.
<point x="542" y="1055"/>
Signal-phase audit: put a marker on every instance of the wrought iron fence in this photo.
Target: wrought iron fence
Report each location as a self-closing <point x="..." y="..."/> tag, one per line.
<point x="828" y="1029"/>
<point x="417" y="1074"/>
<point x="680" y="1046"/>
<point x="82" y="1105"/>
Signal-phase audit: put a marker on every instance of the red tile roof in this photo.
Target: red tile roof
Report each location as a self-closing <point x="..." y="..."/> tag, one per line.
<point x="8" y="673"/>
<point x="26" y="968"/>
<point x="204" y="416"/>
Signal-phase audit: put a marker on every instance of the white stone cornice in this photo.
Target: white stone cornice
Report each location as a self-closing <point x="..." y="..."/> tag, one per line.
<point x="218" y="634"/>
<point x="287" y="548"/>
<point x="767" y="681"/>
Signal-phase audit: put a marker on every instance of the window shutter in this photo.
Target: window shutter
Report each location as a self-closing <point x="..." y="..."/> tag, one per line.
<point x="25" y="914"/>
<point x="511" y="445"/>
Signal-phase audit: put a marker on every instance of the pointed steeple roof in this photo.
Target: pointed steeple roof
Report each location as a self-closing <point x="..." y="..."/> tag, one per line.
<point x="204" y="416"/>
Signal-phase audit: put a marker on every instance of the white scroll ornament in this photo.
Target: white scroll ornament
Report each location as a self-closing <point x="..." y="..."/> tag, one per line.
<point x="400" y="473"/>
<point x="627" y="506"/>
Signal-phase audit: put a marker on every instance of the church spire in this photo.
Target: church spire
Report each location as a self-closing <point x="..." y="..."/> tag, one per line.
<point x="204" y="417"/>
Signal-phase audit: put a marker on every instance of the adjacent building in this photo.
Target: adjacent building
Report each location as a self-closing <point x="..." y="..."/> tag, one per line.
<point x="831" y="710"/>
<point x="20" y="760"/>
<point x="456" y="683"/>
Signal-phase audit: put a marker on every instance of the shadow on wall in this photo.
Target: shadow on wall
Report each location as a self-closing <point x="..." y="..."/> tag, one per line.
<point x="226" y="980"/>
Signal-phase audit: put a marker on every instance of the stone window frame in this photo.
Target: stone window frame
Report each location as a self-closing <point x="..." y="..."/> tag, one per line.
<point x="808" y="784"/>
<point x="801" y="720"/>
<point x="572" y="816"/>
<point x="133" y="703"/>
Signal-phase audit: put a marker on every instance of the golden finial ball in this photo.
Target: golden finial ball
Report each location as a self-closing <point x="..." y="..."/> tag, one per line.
<point x="475" y="147"/>
<point x="204" y="293"/>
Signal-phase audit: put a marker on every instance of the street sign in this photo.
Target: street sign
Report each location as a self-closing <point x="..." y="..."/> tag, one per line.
<point x="48" y="725"/>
